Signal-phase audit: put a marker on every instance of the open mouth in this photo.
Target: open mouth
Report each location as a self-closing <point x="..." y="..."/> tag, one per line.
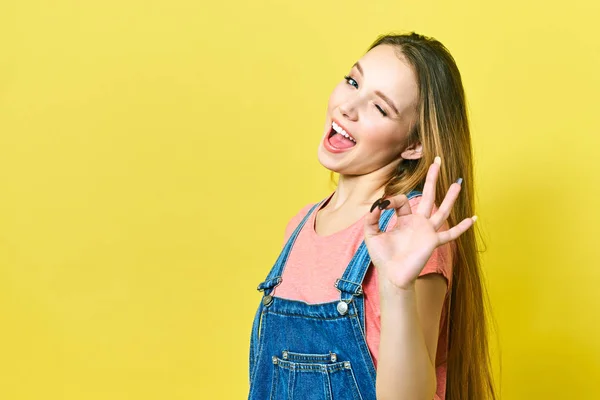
<point x="339" y="138"/>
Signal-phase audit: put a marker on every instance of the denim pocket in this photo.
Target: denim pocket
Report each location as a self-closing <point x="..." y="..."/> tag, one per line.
<point x="316" y="377"/>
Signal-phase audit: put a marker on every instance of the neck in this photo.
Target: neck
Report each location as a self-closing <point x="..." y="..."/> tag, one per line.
<point x="360" y="190"/>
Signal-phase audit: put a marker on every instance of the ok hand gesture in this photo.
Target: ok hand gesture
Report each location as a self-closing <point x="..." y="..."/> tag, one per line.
<point x="400" y="253"/>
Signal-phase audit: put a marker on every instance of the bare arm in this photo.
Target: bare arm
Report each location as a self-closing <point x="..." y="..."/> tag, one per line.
<point x="409" y="332"/>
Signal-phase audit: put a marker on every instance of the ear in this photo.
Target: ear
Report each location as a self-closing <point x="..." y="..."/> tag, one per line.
<point x="413" y="152"/>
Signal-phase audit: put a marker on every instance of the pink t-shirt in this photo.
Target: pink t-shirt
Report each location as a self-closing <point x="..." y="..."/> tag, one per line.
<point x="315" y="263"/>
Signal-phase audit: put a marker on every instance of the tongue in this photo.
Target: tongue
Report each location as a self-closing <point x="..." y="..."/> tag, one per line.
<point x="341" y="142"/>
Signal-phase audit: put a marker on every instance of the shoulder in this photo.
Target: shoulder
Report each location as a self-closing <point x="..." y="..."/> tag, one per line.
<point x="295" y="220"/>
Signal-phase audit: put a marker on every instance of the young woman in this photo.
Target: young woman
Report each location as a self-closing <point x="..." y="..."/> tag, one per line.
<point x="377" y="293"/>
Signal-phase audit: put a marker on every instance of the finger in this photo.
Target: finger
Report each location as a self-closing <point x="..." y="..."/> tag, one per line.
<point x="400" y="203"/>
<point x="451" y="234"/>
<point x="372" y="222"/>
<point x="428" y="197"/>
<point x="443" y="212"/>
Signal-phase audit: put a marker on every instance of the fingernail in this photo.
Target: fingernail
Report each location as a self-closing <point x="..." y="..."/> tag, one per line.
<point x="459" y="181"/>
<point x="375" y="204"/>
<point x="474" y="218"/>
<point x="384" y="204"/>
<point x="437" y="160"/>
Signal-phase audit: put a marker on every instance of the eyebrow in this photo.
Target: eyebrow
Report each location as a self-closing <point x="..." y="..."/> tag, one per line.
<point x="377" y="92"/>
<point x="357" y="65"/>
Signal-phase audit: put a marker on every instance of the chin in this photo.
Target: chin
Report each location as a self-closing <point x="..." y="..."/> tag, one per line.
<point x="327" y="162"/>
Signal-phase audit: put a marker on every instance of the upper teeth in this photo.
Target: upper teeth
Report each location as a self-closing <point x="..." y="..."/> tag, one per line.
<point x="342" y="132"/>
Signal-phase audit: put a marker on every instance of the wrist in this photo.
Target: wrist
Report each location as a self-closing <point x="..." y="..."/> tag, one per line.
<point x="389" y="289"/>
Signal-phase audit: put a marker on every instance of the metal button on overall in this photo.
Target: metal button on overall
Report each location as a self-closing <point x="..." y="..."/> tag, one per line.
<point x="268" y="299"/>
<point x="342" y="307"/>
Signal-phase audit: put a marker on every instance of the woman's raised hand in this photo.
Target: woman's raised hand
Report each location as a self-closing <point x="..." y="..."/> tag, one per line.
<point x="400" y="253"/>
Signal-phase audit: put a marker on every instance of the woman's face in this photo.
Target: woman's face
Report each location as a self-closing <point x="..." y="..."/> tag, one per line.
<point x="375" y="105"/>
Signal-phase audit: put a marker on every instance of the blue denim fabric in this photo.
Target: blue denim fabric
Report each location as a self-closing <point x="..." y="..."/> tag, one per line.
<point x="301" y="351"/>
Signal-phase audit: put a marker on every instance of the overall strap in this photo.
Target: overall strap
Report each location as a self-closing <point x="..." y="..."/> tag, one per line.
<point x="350" y="284"/>
<point x="274" y="277"/>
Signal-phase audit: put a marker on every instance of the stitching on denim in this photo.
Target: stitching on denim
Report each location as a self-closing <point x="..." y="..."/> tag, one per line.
<point x="253" y="343"/>
<point x="327" y="386"/>
<point x="364" y="349"/>
<point x="291" y="380"/>
<point x="305" y="357"/>
<point x="261" y="342"/>
<point x="312" y="317"/>
<point x="357" y="391"/>
<point x="274" y="381"/>
<point x="357" y="269"/>
<point x="360" y="311"/>
<point x="357" y="258"/>
<point x="311" y="367"/>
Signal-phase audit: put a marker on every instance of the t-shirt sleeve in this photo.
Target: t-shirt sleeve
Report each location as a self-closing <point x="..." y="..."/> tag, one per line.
<point x="294" y="221"/>
<point x="440" y="261"/>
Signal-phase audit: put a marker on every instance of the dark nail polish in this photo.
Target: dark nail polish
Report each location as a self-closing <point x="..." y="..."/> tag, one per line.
<point x="384" y="204"/>
<point x="375" y="204"/>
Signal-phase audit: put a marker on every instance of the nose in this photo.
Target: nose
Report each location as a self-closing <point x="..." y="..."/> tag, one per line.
<point x="349" y="108"/>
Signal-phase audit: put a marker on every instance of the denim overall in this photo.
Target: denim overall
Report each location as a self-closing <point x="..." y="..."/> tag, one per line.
<point x="301" y="351"/>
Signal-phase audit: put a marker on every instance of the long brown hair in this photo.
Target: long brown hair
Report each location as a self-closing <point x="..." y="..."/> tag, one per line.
<point x="442" y="128"/>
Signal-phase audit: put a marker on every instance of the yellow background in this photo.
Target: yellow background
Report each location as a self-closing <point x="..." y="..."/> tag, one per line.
<point x="152" y="152"/>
